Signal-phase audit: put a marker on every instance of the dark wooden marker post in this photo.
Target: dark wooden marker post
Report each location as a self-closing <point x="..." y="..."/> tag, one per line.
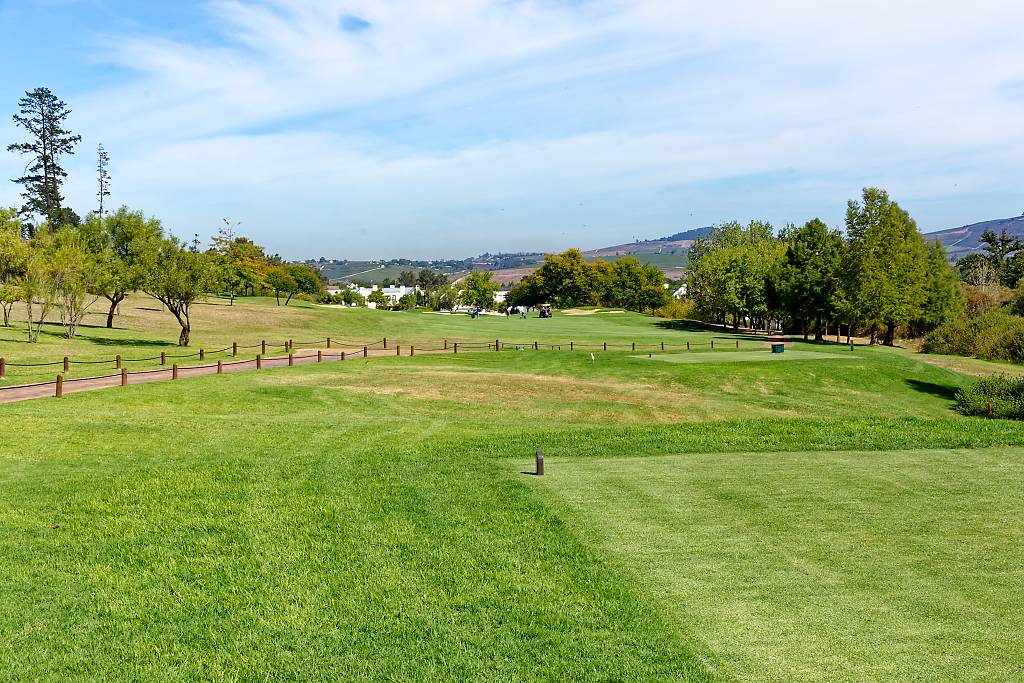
<point x="343" y="355"/>
<point x="319" y="356"/>
<point x="398" y="349"/>
<point x="737" y="343"/>
<point x="220" y="368"/>
<point x="291" y="359"/>
<point x="570" y="346"/>
<point x="634" y="346"/>
<point x="259" y="362"/>
<point x="385" y="342"/>
<point x="234" y="349"/>
<point x="59" y="388"/>
<point x="163" y="358"/>
<point x="174" y="371"/>
<point x="67" y="364"/>
<point x="540" y="463"/>
<point x="3" y="368"/>
<point x="497" y="345"/>
<point x="328" y="342"/>
<point x="687" y="346"/>
<point x="712" y="344"/>
<point x="456" y="350"/>
<point x="118" y="361"/>
<point x="605" y="346"/>
<point x="202" y="355"/>
<point x="412" y="350"/>
<point x="662" y="346"/>
<point x="445" y="344"/>
<point x="263" y="347"/>
<point x="534" y="346"/>
<point x="124" y="377"/>
<point x="364" y="353"/>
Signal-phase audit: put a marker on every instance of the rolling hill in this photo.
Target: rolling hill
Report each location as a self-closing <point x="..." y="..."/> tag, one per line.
<point x="967" y="238"/>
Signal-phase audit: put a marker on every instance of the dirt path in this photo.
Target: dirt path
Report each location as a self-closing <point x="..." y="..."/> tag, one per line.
<point x="300" y="357"/>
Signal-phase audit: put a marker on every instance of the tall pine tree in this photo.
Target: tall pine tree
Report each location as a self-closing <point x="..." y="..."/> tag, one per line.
<point x="42" y="115"/>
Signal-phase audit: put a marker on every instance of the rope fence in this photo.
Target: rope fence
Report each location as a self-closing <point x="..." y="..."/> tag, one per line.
<point x="340" y="350"/>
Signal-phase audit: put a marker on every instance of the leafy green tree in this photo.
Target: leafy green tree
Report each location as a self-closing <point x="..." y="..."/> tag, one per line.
<point x="1000" y="250"/>
<point x="10" y="294"/>
<point x="407" y="302"/>
<point x="38" y="287"/>
<point x="429" y="279"/>
<point x="306" y="280"/>
<point x="122" y="240"/>
<point x="944" y="295"/>
<point x="43" y="117"/>
<point x="351" y="297"/>
<point x="13" y="262"/>
<point x="241" y="263"/>
<point x="280" y="279"/>
<point x="177" y="277"/>
<point x="74" y="272"/>
<point x="443" y="297"/>
<point x="810" y="276"/>
<point x="378" y="299"/>
<point x="891" y="262"/>
<point x="635" y="286"/>
<point x="478" y="290"/>
<point x="407" y="278"/>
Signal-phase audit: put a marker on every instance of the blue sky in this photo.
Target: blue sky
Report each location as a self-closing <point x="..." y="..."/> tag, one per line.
<point x="368" y="129"/>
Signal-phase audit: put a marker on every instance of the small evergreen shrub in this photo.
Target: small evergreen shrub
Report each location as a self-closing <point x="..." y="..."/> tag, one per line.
<point x="1005" y="394"/>
<point x="996" y="335"/>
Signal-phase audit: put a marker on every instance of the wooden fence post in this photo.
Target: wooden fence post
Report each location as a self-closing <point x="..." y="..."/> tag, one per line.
<point x="220" y="367"/>
<point x="118" y="361"/>
<point x="687" y="346"/>
<point x="67" y="364"/>
<point x="570" y="346"/>
<point x="456" y="347"/>
<point x="412" y="351"/>
<point x="202" y="355"/>
<point x="174" y="371"/>
<point x="497" y="345"/>
<point x="343" y="355"/>
<point x="319" y="356"/>
<point x="445" y="344"/>
<point x="263" y="347"/>
<point x="534" y="346"/>
<point x="59" y="388"/>
<point x="605" y="346"/>
<point x="328" y="342"/>
<point x="662" y="346"/>
<point x="234" y="349"/>
<point x="124" y="377"/>
<point x="364" y="353"/>
<point x="291" y="359"/>
<point x="259" y="362"/>
<point x="291" y="344"/>
<point x="540" y="463"/>
<point x="163" y="358"/>
<point x="737" y="343"/>
<point x="712" y="343"/>
<point x="385" y="342"/>
<point x="398" y="349"/>
<point x="634" y="346"/>
<point x="3" y="368"/>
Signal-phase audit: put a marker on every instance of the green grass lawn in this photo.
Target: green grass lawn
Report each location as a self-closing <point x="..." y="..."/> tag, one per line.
<point x="837" y="566"/>
<point x="370" y="520"/>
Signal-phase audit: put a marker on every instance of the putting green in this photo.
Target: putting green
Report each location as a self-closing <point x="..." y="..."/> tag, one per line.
<point x="744" y="356"/>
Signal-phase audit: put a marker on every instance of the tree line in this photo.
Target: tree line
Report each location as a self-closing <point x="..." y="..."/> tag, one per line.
<point x="879" y="276"/>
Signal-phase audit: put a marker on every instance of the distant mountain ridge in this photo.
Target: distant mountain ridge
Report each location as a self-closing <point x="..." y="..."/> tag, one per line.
<point x="966" y="239"/>
<point x="680" y="240"/>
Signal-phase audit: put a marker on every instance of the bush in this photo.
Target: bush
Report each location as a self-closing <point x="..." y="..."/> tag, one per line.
<point x="678" y="309"/>
<point x="996" y="335"/>
<point x="1004" y="394"/>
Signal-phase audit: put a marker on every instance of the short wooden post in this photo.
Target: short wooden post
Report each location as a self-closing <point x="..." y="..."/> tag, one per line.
<point x="634" y="346"/>
<point x="202" y="355"/>
<point x="3" y="368"/>
<point x="343" y="355"/>
<point x="737" y="343"/>
<point x="67" y="364"/>
<point x="398" y="349"/>
<point x="540" y="463"/>
<point x="124" y="377"/>
<point x="58" y="390"/>
<point x="570" y="346"/>
<point x="163" y="358"/>
<point x="605" y="346"/>
<point x="263" y="347"/>
<point x="220" y="367"/>
<point x="662" y="346"/>
<point x="534" y="346"/>
<point x="328" y="342"/>
<point x="712" y="343"/>
<point x="259" y="362"/>
<point x="445" y="344"/>
<point x="385" y="342"/>
<point x="174" y="371"/>
<point x="291" y="344"/>
<point x="319" y="356"/>
<point x="412" y="351"/>
<point x="234" y="349"/>
<point x="456" y="347"/>
<point x="118" y="361"/>
<point x="291" y="359"/>
<point x="497" y="345"/>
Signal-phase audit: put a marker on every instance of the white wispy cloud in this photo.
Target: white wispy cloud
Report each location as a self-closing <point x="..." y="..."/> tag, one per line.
<point x="520" y="105"/>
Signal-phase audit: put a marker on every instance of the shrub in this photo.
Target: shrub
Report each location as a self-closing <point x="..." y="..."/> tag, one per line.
<point x="678" y="309"/>
<point x="1004" y="394"/>
<point x="996" y="335"/>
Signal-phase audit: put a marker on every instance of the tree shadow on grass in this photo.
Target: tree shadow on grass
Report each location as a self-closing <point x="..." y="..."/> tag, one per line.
<point x="112" y="341"/>
<point x="942" y="391"/>
<point x="688" y="326"/>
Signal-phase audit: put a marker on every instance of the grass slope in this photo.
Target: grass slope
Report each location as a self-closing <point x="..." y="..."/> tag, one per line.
<point x="362" y="521"/>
